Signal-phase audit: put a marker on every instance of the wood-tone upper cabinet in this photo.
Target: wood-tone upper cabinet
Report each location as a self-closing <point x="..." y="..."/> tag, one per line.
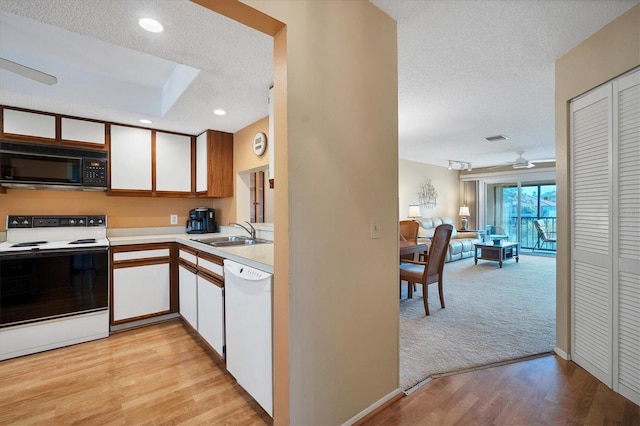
<point x="214" y="164"/>
<point x="130" y="158"/>
<point x="173" y="162"/>
<point x="85" y="131"/>
<point x="24" y="125"/>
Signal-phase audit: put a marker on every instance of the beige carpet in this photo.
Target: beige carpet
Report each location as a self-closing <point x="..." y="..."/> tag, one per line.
<point x="491" y="315"/>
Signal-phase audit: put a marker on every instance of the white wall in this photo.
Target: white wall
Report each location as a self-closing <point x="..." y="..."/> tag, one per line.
<point x="412" y="175"/>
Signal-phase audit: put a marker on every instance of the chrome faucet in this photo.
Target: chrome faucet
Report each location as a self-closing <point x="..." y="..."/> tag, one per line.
<point x="251" y="232"/>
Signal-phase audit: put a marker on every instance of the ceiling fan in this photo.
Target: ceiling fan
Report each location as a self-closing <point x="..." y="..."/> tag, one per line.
<point x="27" y="72"/>
<point x="521" y="162"/>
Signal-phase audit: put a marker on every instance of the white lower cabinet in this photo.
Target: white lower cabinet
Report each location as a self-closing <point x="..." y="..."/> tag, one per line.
<point x="188" y="296"/>
<point x="201" y="285"/>
<point x="141" y="282"/>
<point x="211" y="313"/>
<point x="140" y="291"/>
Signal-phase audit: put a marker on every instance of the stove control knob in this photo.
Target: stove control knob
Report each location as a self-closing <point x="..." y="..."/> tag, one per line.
<point x="81" y="221"/>
<point x="15" y="222"/>
<point x="26" y="222"/>
<point x="91" y="221"/>
<point x="72" y="222"/>
<point x="99" y="220"/>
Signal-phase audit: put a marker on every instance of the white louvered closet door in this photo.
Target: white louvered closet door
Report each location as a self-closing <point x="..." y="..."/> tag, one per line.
<point x="605" y="211"/>
<point x="626" y="222"/>
<point x="591" y="137"/>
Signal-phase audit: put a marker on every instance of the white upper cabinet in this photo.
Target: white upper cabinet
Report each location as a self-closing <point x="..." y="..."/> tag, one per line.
<point x="173" y="162"/>
<point x="201" y="163"/>
<point x="130" y="158"/>
<point x="29" y="124"/>
<point x="83" y="131"/>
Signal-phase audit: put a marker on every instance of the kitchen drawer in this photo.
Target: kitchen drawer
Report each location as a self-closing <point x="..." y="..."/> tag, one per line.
<point x="141" y="254"/>
<point x="189" y="257"/>
<point x="211" y="264"/>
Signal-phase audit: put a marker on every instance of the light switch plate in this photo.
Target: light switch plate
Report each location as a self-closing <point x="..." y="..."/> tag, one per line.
<point x="375" y="227"/>
<point x="174" y="219"/>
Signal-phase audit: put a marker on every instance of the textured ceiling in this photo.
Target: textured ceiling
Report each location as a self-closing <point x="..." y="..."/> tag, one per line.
<point x="471" y="69"/>
<point x="467" y="69"/>
<point x="235" y="61"/>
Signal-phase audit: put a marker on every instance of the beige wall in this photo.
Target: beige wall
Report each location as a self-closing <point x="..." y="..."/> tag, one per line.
<point x="122" y="212"/>
<point x="341" y="169"/>
<point x="244" y="162"/>
<point x="243" y="156"/>
<point x="412" y="175"/>
<point x="608" y="53"/>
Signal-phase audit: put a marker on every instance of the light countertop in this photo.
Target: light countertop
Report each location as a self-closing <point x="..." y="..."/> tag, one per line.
<point x="259" y="256"/>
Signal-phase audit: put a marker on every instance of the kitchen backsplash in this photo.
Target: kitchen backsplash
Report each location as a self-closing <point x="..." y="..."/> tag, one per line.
<point x="122" y="212"/>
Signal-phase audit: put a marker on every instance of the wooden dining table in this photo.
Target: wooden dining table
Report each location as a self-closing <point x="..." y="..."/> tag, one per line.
<point x="410" y="247"/>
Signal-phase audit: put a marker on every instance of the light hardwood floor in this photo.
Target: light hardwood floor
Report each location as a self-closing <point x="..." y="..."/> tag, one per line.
<point x="542" y="391"/>
<point x="160" y="375"/>
<point x="151" y="375"/>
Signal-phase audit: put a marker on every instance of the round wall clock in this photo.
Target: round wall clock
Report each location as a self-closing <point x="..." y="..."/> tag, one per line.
<point x="259" y="143"/>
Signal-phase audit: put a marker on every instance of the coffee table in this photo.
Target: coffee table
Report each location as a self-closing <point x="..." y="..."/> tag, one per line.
<point x="497" y="252"/>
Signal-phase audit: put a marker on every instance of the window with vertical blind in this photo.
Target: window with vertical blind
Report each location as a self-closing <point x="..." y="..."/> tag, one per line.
<point x="605" y="217"/>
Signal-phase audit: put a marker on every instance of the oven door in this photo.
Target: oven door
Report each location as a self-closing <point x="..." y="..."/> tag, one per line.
<point x="35" y="285"/>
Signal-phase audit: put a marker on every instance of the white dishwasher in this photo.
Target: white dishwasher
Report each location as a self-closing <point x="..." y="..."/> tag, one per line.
<point x="249" y="330"/>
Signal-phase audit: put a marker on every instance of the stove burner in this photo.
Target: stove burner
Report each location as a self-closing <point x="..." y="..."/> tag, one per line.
<point x="84" y="241"/>
<point x="29" y="244"/>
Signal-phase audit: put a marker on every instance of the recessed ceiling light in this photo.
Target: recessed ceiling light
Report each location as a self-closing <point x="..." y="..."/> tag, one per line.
<point x="145" y="121"/>
<point x="151" y="25"/>
<point x="219" y="112"/>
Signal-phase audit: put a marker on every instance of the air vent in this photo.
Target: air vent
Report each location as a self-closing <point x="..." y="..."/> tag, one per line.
<point x="496" y="138"/>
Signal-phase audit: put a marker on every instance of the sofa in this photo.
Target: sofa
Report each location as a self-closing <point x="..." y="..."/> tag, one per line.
<point x="461" y="245"/>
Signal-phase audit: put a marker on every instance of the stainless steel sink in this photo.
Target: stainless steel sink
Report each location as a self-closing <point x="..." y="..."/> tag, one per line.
<point x="222" y="239"/>
<point x="232" y="241"/>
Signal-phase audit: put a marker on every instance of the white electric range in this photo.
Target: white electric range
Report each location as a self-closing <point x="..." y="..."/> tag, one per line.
<point x="54" y="283"/>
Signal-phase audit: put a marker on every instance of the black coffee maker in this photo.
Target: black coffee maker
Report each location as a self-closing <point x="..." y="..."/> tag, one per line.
<point x="202" y="220"/>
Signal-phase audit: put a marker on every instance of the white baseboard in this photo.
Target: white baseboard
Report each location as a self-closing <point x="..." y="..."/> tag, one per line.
<point x="373" y="407"/>
<point x="562" y="354"/>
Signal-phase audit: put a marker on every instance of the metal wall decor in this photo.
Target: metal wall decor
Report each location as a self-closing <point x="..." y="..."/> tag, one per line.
<point x="427" y="195"/>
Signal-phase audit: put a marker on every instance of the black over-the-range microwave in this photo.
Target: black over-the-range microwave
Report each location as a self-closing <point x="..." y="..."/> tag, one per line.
<point x="23" y="164"/>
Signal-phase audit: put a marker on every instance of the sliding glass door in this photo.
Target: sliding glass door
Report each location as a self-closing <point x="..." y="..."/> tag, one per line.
<point x="502" y="209"/>
<point x="512" y="208"/>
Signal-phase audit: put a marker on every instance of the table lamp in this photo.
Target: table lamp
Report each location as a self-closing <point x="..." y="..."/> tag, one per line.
<point x="414" y="211"/>
<point x="464" y="214"/>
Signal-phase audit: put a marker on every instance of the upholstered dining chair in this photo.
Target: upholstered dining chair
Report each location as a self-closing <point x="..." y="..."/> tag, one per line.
<point x="429" y="272"/>
<point x="408" y="232"/>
